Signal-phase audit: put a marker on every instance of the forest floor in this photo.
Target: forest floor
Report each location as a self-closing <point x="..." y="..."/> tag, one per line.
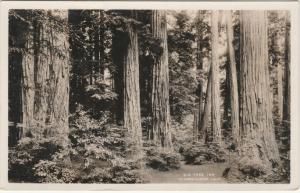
<point x="207" y="173"/>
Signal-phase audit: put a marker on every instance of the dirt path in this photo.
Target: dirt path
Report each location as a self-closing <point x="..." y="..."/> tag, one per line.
<point x="209" y="173"/>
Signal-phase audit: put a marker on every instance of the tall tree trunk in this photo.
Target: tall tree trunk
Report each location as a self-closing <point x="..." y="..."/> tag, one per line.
<point x="287" y="76"/>
<point x="227" y="97"/>
<point x="97" y="62"/>
<point x="207" y="112"/>
<point x="132" y="116"/>
<point x="280" y="88"/>
<point x="215" y="90"/>
<point x="17" y="76"/>
<point x="161" y="133"/>
<point x="99" y="48"/>
<point x="234" y="98"/>
<point x="257" y="131"/>
<point x="28" y="85"/>
<point x="102" y="46"/>
<point x="46" y="81"/>
<point x="198" y="116"/>
<point x="58" y="83"/>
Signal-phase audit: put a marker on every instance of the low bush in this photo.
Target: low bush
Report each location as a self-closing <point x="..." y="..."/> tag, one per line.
<point x="197" y="153"/>
<point x="160" y="159"/>
<point x="251" y="167"/>
<point x="95" y="154"/>
<point x="26" y="154"/>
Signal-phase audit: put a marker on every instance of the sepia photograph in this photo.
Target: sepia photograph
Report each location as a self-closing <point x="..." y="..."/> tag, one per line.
<point x="149" y="96"/>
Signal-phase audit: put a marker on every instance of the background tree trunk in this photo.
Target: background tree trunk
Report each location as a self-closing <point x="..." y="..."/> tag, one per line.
<point x="132" y="116"/>
<point x="200" y="86"/>
<point x="257" y="132"/>
<point x="234" y="100"/>
<point x="215" y="90"/>
<point x="161" y="133"/>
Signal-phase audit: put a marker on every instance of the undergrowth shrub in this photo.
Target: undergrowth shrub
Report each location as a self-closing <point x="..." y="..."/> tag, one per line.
<point x="27" y="153"/>
<point x="58" y="169"/>
<point x="197" y="153"/>
<point x="160" y="159"/>
<point x="95" y="154"/>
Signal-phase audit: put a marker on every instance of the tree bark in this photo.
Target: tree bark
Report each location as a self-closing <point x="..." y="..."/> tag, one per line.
<point x="234" y="98"/>
<point x="45" y="90"/>
<point x="199" y="112"/>
<point x="132" y="116"/>
<point x="28" y="85"/>
<point x="215" y="90"/>
<point x="280" y="88"/>
<point x="161" y="133"/>
<point x="257" y="131"/>
<point x="207" y="111"/>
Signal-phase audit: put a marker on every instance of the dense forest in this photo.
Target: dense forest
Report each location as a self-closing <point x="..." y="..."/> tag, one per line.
<point x="149" y="96"/>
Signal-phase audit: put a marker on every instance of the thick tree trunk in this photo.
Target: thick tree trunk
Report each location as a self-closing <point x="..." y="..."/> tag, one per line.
<point x="215" y="90"/>
<point x="45" y="90"/>
<point x="278" y="46"/>
<point x="28" y="86"/>
<point x="161" y="133"/>
<point x="280" y="88"/>
<point x="132" y="116"/>
<point x="205" y="120"/>
<point x="257" y="131"/>
<point x="287" y="76"/>
<point x="234" y="98"/>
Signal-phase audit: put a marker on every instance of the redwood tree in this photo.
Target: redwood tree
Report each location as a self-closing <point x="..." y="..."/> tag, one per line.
<point x="234" y="100"/>
<point x="215" y="90"/>
<point x="45" y="75"/>
<point x="257" y="131"/>
<point x="205" y="120"/>
<point x="160" y="133"/>
<point x="132" y="116"/>
<point x="198" y="133"/>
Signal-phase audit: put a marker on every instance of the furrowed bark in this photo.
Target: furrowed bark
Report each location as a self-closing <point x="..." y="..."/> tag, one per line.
<point x="234" y="98"/>
<point x="45" y="81"/>
<point x="215" y="90"/>
<point x="132" y="116"/>
<point x="161" y="133"/>
<point x="257" y="130"/>
<point x="205" y="120"/>
<point x="198" y="114"/>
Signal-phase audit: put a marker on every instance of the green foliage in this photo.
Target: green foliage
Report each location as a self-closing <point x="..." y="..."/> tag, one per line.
<point x="197" y="153"/>
<point x="181" y="132"/>
<point x="58" y="169"/>
<point x="251" y="167"/>
<point x="161" y="159"/>
<point x="183" y="82"/>
<point x="99" y="150"/>
<point x="26" y="154"/>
